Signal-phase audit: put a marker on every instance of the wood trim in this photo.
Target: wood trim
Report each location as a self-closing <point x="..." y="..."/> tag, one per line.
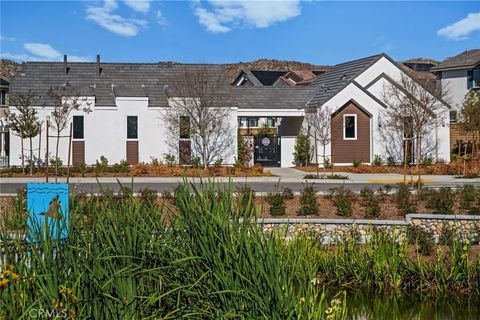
<point x="132" y="152"/>
<point x="78" y="152"/>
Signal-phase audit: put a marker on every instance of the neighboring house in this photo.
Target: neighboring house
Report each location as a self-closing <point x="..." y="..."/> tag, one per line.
<point x="298" y="78"/>
<point x="4" y="132"/>
<point x="257" y="78"/>
<point x="456" y="76"/>
<point x="126" y="101"/>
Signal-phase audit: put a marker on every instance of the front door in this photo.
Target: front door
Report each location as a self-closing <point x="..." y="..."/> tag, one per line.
<point x="267" y="151"/>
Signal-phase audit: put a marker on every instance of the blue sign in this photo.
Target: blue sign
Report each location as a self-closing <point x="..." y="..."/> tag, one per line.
<point x="48" y="209"/>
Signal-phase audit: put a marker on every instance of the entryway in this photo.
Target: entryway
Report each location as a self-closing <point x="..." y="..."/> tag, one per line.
<point x="267" y="151"/>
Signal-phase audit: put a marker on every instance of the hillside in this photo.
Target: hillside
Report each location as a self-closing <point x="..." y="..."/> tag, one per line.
<point x="233" y="69"/>
<point x="8" y="68"/>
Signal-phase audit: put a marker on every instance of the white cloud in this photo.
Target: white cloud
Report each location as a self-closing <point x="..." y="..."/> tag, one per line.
<point x="3" y="38"/>
<point x="103" y="16"/>
<point x="225" y="15"/>
<point x="161" y="19"/>
<point x="42" y="52"/>
<point x="462" y="28"/>
<point x="142" y="6"/>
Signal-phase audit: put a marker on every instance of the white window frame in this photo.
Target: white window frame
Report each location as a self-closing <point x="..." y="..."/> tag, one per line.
<point x="248" y="122"/>
<point x="355" y="124"/>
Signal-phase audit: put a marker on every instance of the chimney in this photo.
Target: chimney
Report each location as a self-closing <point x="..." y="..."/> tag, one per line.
<point x="65" y="64"/>
<point x="99" y="70"/>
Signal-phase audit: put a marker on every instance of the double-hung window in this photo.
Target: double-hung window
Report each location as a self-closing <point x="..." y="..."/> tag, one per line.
<point x="350" y="127"/>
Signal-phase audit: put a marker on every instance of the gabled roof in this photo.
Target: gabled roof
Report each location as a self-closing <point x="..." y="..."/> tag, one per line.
<point x="337" y="78"/>
<point x="465" y="60"/>
<point x="116" y="80"/>
<point x="269" y="97"/>
<point x="260" y="78"/>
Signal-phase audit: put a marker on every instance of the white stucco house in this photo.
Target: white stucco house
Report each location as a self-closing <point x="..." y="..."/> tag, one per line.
<point x="127" y="99"/>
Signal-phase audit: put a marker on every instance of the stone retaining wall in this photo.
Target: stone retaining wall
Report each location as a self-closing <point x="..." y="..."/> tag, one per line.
<point x="329" y="230"/>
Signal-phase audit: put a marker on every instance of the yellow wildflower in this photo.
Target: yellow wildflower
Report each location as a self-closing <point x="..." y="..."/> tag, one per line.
<point x="4" y="283"/>
<point x="74" y="298"/>
<point x="57" y="304"/>
<point x="9" y="267"/>
<point x="6" y="273"/>
<point x="15" y="276"/>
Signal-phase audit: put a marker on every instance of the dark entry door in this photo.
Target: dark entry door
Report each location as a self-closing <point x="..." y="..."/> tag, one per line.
<point x="267" y="151"/>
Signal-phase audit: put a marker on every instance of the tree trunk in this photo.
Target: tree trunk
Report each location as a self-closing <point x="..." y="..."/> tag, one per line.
<point x="23" y="157"/>
<point x="56" y="156"/>
<point x="31" y="156"/>
<point x="324" y="169"/>
<point x="204" y="154"/>
<point x="420" y="158"/>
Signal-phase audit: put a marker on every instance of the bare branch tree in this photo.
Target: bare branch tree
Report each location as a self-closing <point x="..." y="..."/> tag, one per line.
<point x="65" y="99"/>
<point x="204" y="96"/>
<point x="414" y="112"/>
<point x="320" y="120"/>
<point x="25" y="122"/>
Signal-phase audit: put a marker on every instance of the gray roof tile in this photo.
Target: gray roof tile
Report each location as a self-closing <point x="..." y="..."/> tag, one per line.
<point x="466" y="59"/>
<point x="337" y="78"/>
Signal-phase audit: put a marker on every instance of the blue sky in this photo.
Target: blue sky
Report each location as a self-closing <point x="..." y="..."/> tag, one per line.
<point x="230" y="31"/>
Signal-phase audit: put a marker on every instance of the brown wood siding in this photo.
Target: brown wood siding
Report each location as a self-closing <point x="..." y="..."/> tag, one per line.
<point x="78" y="152"/>
<point x="185" y="152"/>
<point x="345" y="151"/>
<point x="132" y="152"/>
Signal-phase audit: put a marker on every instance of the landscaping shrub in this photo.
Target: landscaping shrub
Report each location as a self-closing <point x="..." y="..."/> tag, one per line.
<point x="377" y="160"/>
<point x="287" y="193"/>
<point x="276" y="201"/>
<point x="121" y="167"/>
<point x="423" y="239"/>
<point x="327" y="163"/>
<point x="169" y="159"/>
<point x="427" y="161"/>
<point x="308" y="200"/>
<point x="196" y="163"/>
<point x="302" y="150"/>
<point x="102" y="165"/>
<point x="403" y="199"/>
<point x="370" y="202"/>
<point x="218" y="163"/>
<point x="357" y="163"/>
<point x="342" y="199"/>
<point x="390" y="161"/>
<point x="441" y="200"/>
<point x="469" y="197"/>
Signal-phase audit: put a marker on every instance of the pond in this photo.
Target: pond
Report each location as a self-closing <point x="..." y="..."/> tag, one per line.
<point x="371" y="304"/>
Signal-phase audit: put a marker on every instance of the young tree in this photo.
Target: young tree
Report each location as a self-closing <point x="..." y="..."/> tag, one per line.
<point x="320" y="120"/>
<point x="65" y="99"/>
<point x="202" y="95"/>
<point x="470" y="119"/>
<point x="24" y="123"/>
<point x="244" y="150"/>
<point x="413" y="111"/>
<point x="303" y="150"/>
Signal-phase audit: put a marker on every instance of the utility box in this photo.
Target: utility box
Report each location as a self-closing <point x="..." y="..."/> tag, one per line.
<point x="48" y="210"/>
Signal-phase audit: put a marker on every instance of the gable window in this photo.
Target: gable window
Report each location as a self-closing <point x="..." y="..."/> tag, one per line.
<point x="132" y="127"/>
<point x="78" y="127"/>
<point x="184" y="127"/>
<point x="473" y="78"/>
<point x="252" y="122"/>
<point x="350" y="127"/>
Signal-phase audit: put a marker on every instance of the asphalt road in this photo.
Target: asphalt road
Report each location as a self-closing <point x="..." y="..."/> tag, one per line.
<point x="12" y="187"/>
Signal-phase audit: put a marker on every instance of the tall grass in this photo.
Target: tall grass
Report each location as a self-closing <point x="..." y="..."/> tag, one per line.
<point x="121" y="260"/>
